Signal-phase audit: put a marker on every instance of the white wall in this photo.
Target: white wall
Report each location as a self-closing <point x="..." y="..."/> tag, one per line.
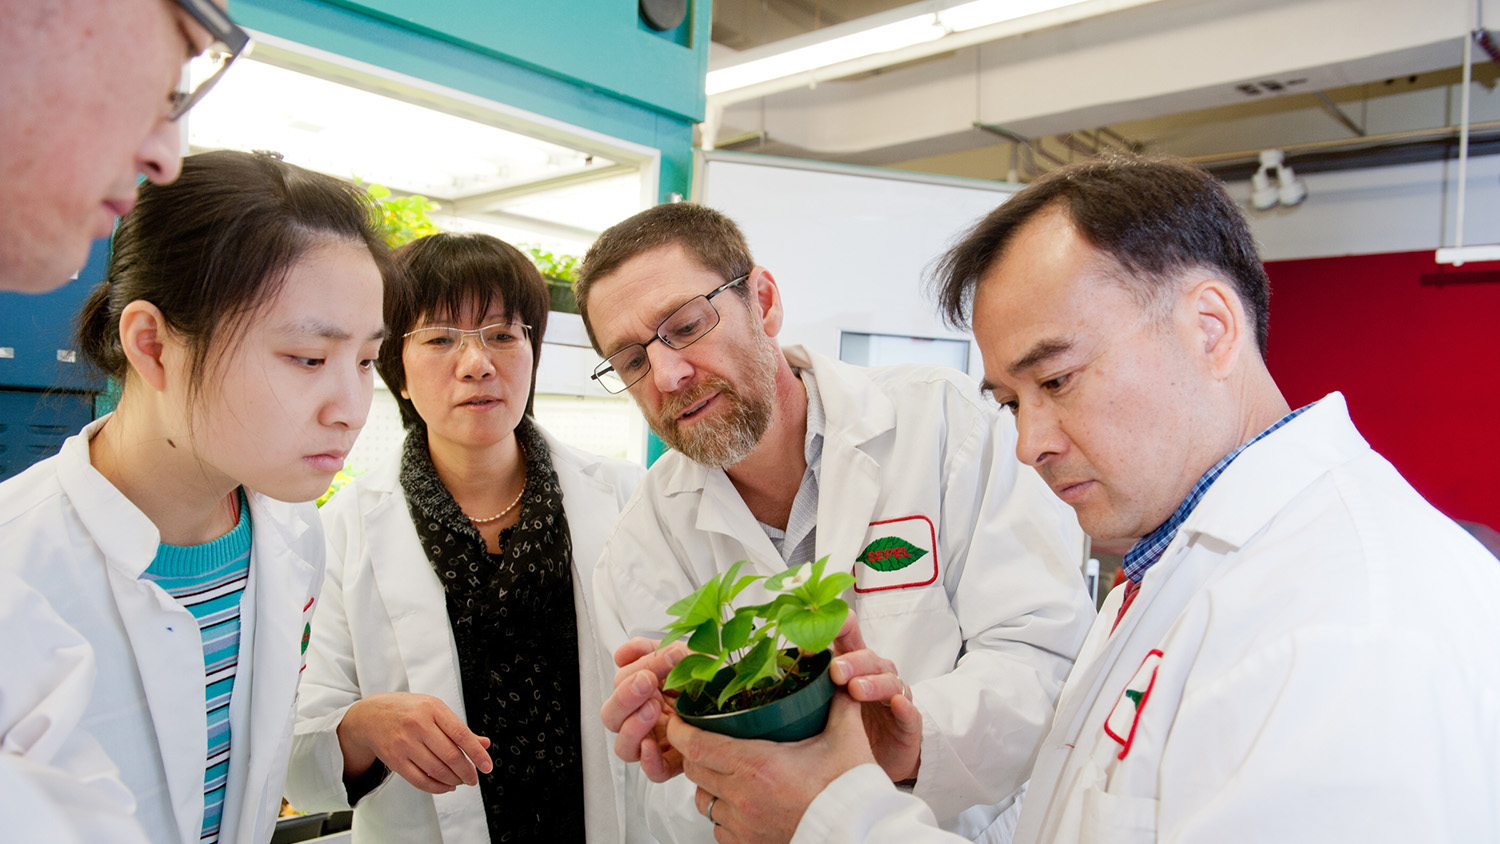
<point x="848" y="247"/>
<point x="1388" y="209"/>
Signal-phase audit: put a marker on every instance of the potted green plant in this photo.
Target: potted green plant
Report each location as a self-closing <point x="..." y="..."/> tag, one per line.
<point x="759" y="670"/>
<point x="560" y="271"/>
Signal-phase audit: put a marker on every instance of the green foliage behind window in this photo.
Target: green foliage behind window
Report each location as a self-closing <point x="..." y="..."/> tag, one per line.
<point x="402" y="218"/>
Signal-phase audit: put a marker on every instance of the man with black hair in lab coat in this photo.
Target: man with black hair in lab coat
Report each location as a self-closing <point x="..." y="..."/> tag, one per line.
<point x="1304" y="650"/>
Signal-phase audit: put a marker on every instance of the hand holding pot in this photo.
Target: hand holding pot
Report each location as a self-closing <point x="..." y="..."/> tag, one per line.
<point x="637" y="708"/>
<point x="417" y="736"/>
<point x="764" y="787"/>
<point x="892" y="721"/>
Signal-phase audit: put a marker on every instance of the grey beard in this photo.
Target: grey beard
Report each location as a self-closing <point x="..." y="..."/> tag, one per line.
<point x="725" y="442"/>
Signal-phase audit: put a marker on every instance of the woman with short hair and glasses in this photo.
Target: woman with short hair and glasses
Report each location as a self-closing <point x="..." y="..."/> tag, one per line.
<point x="455" y="646"/>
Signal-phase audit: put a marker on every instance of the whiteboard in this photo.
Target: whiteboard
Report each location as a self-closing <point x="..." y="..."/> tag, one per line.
<point x="849" y="246"/>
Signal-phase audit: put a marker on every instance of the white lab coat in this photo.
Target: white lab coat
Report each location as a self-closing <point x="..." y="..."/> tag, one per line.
<point x="1325" y="669"/>
<point x="56" y="783"/>
<point x="384" y="628"/>
<point x="985" y="642"/>
<point x="79" y="542"/>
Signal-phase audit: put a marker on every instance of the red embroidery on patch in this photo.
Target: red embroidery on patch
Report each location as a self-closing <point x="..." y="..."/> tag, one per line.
<point x="931" y="532"/>
<point x="1140" y="705"/>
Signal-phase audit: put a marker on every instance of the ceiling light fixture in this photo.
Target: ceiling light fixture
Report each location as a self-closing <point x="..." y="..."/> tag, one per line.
<point x="869" y="42"/>
<point x="1288" y="189"/>
<point x="912" y="31"/>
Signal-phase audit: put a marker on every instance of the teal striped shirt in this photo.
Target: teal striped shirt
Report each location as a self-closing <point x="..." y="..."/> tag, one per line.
<point x="209" y="580"/>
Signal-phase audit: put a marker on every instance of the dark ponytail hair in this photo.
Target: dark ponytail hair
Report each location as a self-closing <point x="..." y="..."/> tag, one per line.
<point x="452" y="276"/>
<point x="213" y="248"/>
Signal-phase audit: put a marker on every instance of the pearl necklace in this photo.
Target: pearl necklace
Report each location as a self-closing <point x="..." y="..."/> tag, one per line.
<point x="502" y="512"/>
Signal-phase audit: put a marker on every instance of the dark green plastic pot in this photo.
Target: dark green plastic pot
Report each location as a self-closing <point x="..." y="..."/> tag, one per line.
<point x="561" y="293"/>
<point x="800" y="715"/>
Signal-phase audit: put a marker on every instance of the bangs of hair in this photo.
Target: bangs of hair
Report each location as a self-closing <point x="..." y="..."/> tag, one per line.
<point x="463" y="297"/>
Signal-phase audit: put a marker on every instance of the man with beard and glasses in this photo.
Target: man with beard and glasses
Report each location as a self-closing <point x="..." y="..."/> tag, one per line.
<point x="782" y="456"/>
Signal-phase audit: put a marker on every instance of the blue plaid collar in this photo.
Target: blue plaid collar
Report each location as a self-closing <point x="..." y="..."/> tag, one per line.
<point x="1145" y="552"/>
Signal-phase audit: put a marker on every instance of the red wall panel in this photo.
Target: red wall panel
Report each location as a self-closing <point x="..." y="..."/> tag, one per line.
<point x="1415" y="348"/>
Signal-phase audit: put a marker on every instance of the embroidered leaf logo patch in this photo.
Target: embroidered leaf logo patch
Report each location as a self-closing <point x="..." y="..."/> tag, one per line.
<point x="890" y="553"/>
<point x="306" y="636"/>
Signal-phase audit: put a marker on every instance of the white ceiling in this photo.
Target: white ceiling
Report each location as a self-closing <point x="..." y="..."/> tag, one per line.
<point x="483" y="177"/>
<point x="1213" y="79"/>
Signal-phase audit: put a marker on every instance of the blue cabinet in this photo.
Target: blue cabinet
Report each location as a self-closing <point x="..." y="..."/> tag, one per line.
<point x="46" y="389"/>
<point x="33" y="425"/>
<point x="36" y="333"/>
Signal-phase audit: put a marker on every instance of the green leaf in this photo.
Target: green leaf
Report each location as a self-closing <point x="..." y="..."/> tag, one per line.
<point x="730" y="690"/>
<point x="776" y="607"/>
<point x="890" y="553"/>
<point x="682" y="673"/>
<point x="705" y="640"/>
<point x="817" y="569"/>
<point x="759" y="664"/>
<point x="740" y="586"/>
<point x="708" y="671"/>
<point x="832" y="586"/>
<point x="737" y="630"/>
<point x="777" y="581"/>
<point x="814" y="630"/>
<point x="725" y="583"/>
<point x="685" y="605"/>
<point x="788" y="608"/>
<point x="699" y="606"/>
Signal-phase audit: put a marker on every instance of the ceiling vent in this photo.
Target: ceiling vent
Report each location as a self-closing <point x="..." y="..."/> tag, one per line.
<point x="1270" y="86"/>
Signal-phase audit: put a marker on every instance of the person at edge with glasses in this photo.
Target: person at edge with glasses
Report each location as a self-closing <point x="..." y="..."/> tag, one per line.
<point x="782" y="456"/>
<point x="455" y="643"/>
<point x="92" y="103"/>
<point x="96" y="107"/>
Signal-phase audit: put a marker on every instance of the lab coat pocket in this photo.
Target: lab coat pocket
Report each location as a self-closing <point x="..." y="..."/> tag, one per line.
<point x="1116" y="819"/>
<point x="915" y="628"/>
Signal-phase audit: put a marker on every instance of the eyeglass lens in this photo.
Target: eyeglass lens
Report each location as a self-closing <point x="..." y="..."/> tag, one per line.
<point x="501" y="337"/>
<point x="684" y="327"/>
<point x="230" y="42"/>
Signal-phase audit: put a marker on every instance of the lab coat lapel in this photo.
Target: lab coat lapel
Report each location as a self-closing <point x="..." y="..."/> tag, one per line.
<point x="169" y="656"/>
<point x="1108" y="665"/>
<point x="582" y="495"/>
<point x="413" y="600"/>
<point x="286" y="574"/>
<point x="417" y="606"/>
<point x="733" y="533"/>
<point x="163" y="635"/>
<point x="845" y="509"/>
<point x="850" y="481"/>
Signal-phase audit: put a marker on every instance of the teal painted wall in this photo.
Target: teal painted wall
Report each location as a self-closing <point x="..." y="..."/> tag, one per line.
<point x="584" y="62"/>
<point x="597" y="43"/>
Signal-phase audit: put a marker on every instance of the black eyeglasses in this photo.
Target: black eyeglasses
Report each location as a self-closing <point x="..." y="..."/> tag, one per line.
<point x="230" y="42"/>
<point x="684" y="327"/>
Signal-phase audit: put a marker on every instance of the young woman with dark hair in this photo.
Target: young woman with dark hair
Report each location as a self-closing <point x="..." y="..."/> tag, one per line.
<point x="241" y="314"/>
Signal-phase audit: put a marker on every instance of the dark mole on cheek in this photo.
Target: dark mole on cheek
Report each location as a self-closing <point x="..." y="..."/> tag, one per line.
<point x="172" y="444"/>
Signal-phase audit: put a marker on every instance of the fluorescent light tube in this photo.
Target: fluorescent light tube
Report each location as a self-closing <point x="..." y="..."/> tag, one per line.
<point x="880" y="39"/>
<point x="921" y="27"/>
<point x="985" y="12"/>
